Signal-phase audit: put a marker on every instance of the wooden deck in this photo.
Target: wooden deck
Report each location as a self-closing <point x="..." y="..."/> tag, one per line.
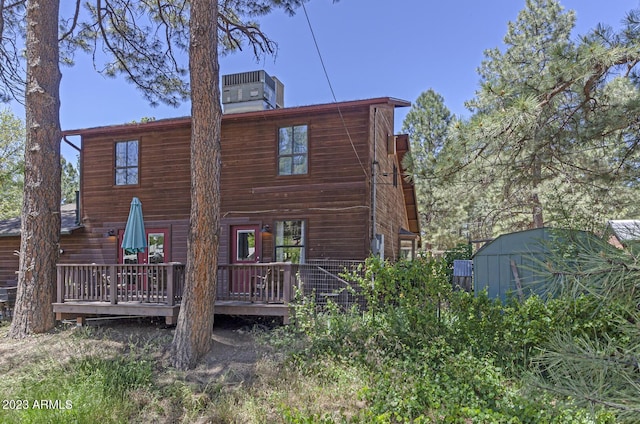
<point x="79" y="310"/>
<point x="156" y="290"/>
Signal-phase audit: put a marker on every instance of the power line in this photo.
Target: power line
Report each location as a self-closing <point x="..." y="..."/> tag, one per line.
<point x="335" y="100"/>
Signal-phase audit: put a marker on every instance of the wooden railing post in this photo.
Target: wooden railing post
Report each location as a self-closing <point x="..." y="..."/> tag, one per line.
<point x="286" y="286"/>
<point x="113" y="291"/>
<point x="170" y="285"/>
<point x="60" y="285"/>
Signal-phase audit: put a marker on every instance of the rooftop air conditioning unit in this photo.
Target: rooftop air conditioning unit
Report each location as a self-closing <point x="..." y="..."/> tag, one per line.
<point x="251" y="91"/>
<point x="279" y="93"/>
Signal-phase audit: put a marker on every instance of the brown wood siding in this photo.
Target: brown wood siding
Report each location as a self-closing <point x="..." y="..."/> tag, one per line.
<point x="163" y="189"/>
<point x="96" y="246"/>
<point x="164" y="181"/>
<point x="79" y="247"/>
<point x="391" y="214"/>
<point x="335" y="235"/>
<point x="333" y="197"/>
<point x="9" y="246"/>
<point x="85" y="247"/>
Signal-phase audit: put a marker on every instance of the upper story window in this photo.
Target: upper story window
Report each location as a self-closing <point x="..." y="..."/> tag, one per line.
<point x="292" y="150"/>
<point x="126" y="162"/>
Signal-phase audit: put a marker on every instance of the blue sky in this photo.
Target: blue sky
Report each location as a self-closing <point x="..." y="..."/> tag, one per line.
<point x="371" y="48"/>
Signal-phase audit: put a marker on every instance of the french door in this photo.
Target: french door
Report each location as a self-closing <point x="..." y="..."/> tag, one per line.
<point x="157" y="251"/>
<point x="138" y="282"/>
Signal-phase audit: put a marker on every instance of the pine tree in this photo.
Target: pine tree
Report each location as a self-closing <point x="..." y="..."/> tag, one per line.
<point x="70" y="182"/>
<point x="40" y="227"/>
<point x="427" y="125"/>
<point x="600" y="365"/>
<point x="553" y="118"/>
<point x="11" y="164"/>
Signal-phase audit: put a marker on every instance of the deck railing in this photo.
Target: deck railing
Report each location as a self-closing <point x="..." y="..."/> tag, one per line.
<point x="259" y="283"/>
<point x="158" y="283"/>
<point x="163" y="283"/>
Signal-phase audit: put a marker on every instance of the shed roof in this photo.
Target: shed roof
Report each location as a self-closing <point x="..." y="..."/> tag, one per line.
<point x="530" y="241"/>
<point x="624" y="229"/>
<point x="516" y="261"/>
<point x="11" y="227"/>
<point x="519" y="241"/>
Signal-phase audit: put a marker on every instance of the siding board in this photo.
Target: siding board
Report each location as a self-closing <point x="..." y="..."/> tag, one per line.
<point x="334" y="197"/>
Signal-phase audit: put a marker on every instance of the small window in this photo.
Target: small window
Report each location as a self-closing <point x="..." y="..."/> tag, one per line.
<point x="126" y="162"/>
<point x="292" y="150"/>
<point x="407" y="249"/>
<point x="157" y="251"/>
<point x="395" y="175"/>
<point x="245" y="246"/>
<point x="289" y="241"/>
<point x="155" y="247"/>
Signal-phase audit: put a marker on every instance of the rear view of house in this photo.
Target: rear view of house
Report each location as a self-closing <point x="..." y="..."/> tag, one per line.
<point x="299" y="184"/>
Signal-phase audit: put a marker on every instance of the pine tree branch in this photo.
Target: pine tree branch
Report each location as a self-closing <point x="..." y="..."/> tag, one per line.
<point x="74" y="23"/>
<point x="258" y="40"/>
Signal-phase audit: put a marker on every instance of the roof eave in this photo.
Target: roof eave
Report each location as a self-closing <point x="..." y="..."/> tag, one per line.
<point x="164" y="124"/>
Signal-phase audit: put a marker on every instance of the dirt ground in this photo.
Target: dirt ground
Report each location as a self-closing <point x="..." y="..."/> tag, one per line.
<point x="231" y="360"/>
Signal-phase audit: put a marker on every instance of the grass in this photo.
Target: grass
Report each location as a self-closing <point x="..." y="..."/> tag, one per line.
<point x="68" y="376"/>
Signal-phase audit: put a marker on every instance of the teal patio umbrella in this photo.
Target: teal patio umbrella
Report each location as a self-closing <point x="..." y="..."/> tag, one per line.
<point x="134" y="239"/>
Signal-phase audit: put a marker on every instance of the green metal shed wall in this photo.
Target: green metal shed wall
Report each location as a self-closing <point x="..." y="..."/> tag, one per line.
<point x="527" y="249"/>
<point x="492" y="264"/>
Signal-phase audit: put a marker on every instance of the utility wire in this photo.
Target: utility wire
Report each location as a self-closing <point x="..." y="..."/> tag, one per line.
<point x="335" y="100"/>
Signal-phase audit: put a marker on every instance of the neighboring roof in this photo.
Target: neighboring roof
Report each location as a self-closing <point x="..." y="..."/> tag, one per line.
<point x="164" y="124"/>
<point x="406" y="233"/>
<point x="624" y="229"/>
<point x="11" y="227"/>
<point x="408" y="188"/>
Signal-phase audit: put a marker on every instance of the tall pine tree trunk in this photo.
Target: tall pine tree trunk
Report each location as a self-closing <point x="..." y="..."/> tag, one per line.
<point x="192" y="338"/>
<point x="39" y="247"/>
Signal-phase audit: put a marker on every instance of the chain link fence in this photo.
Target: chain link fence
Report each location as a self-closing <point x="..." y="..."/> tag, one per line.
<point x="329" y="279"/>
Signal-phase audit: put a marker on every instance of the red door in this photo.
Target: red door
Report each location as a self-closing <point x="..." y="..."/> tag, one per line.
<point x="245" y="250"/>
<point x="137" y="280"/>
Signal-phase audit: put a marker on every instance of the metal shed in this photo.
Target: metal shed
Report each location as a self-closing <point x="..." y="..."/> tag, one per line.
<point x="512" y="262"/>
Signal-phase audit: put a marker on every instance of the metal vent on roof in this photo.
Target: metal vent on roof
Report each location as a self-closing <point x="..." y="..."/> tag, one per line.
<point x="251" y="91"/>
<point x="248" y="78"/>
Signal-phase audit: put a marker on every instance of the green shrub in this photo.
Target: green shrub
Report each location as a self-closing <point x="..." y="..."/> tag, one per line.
<point x="420" y="283"/>
<point x="434" y="355"/>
